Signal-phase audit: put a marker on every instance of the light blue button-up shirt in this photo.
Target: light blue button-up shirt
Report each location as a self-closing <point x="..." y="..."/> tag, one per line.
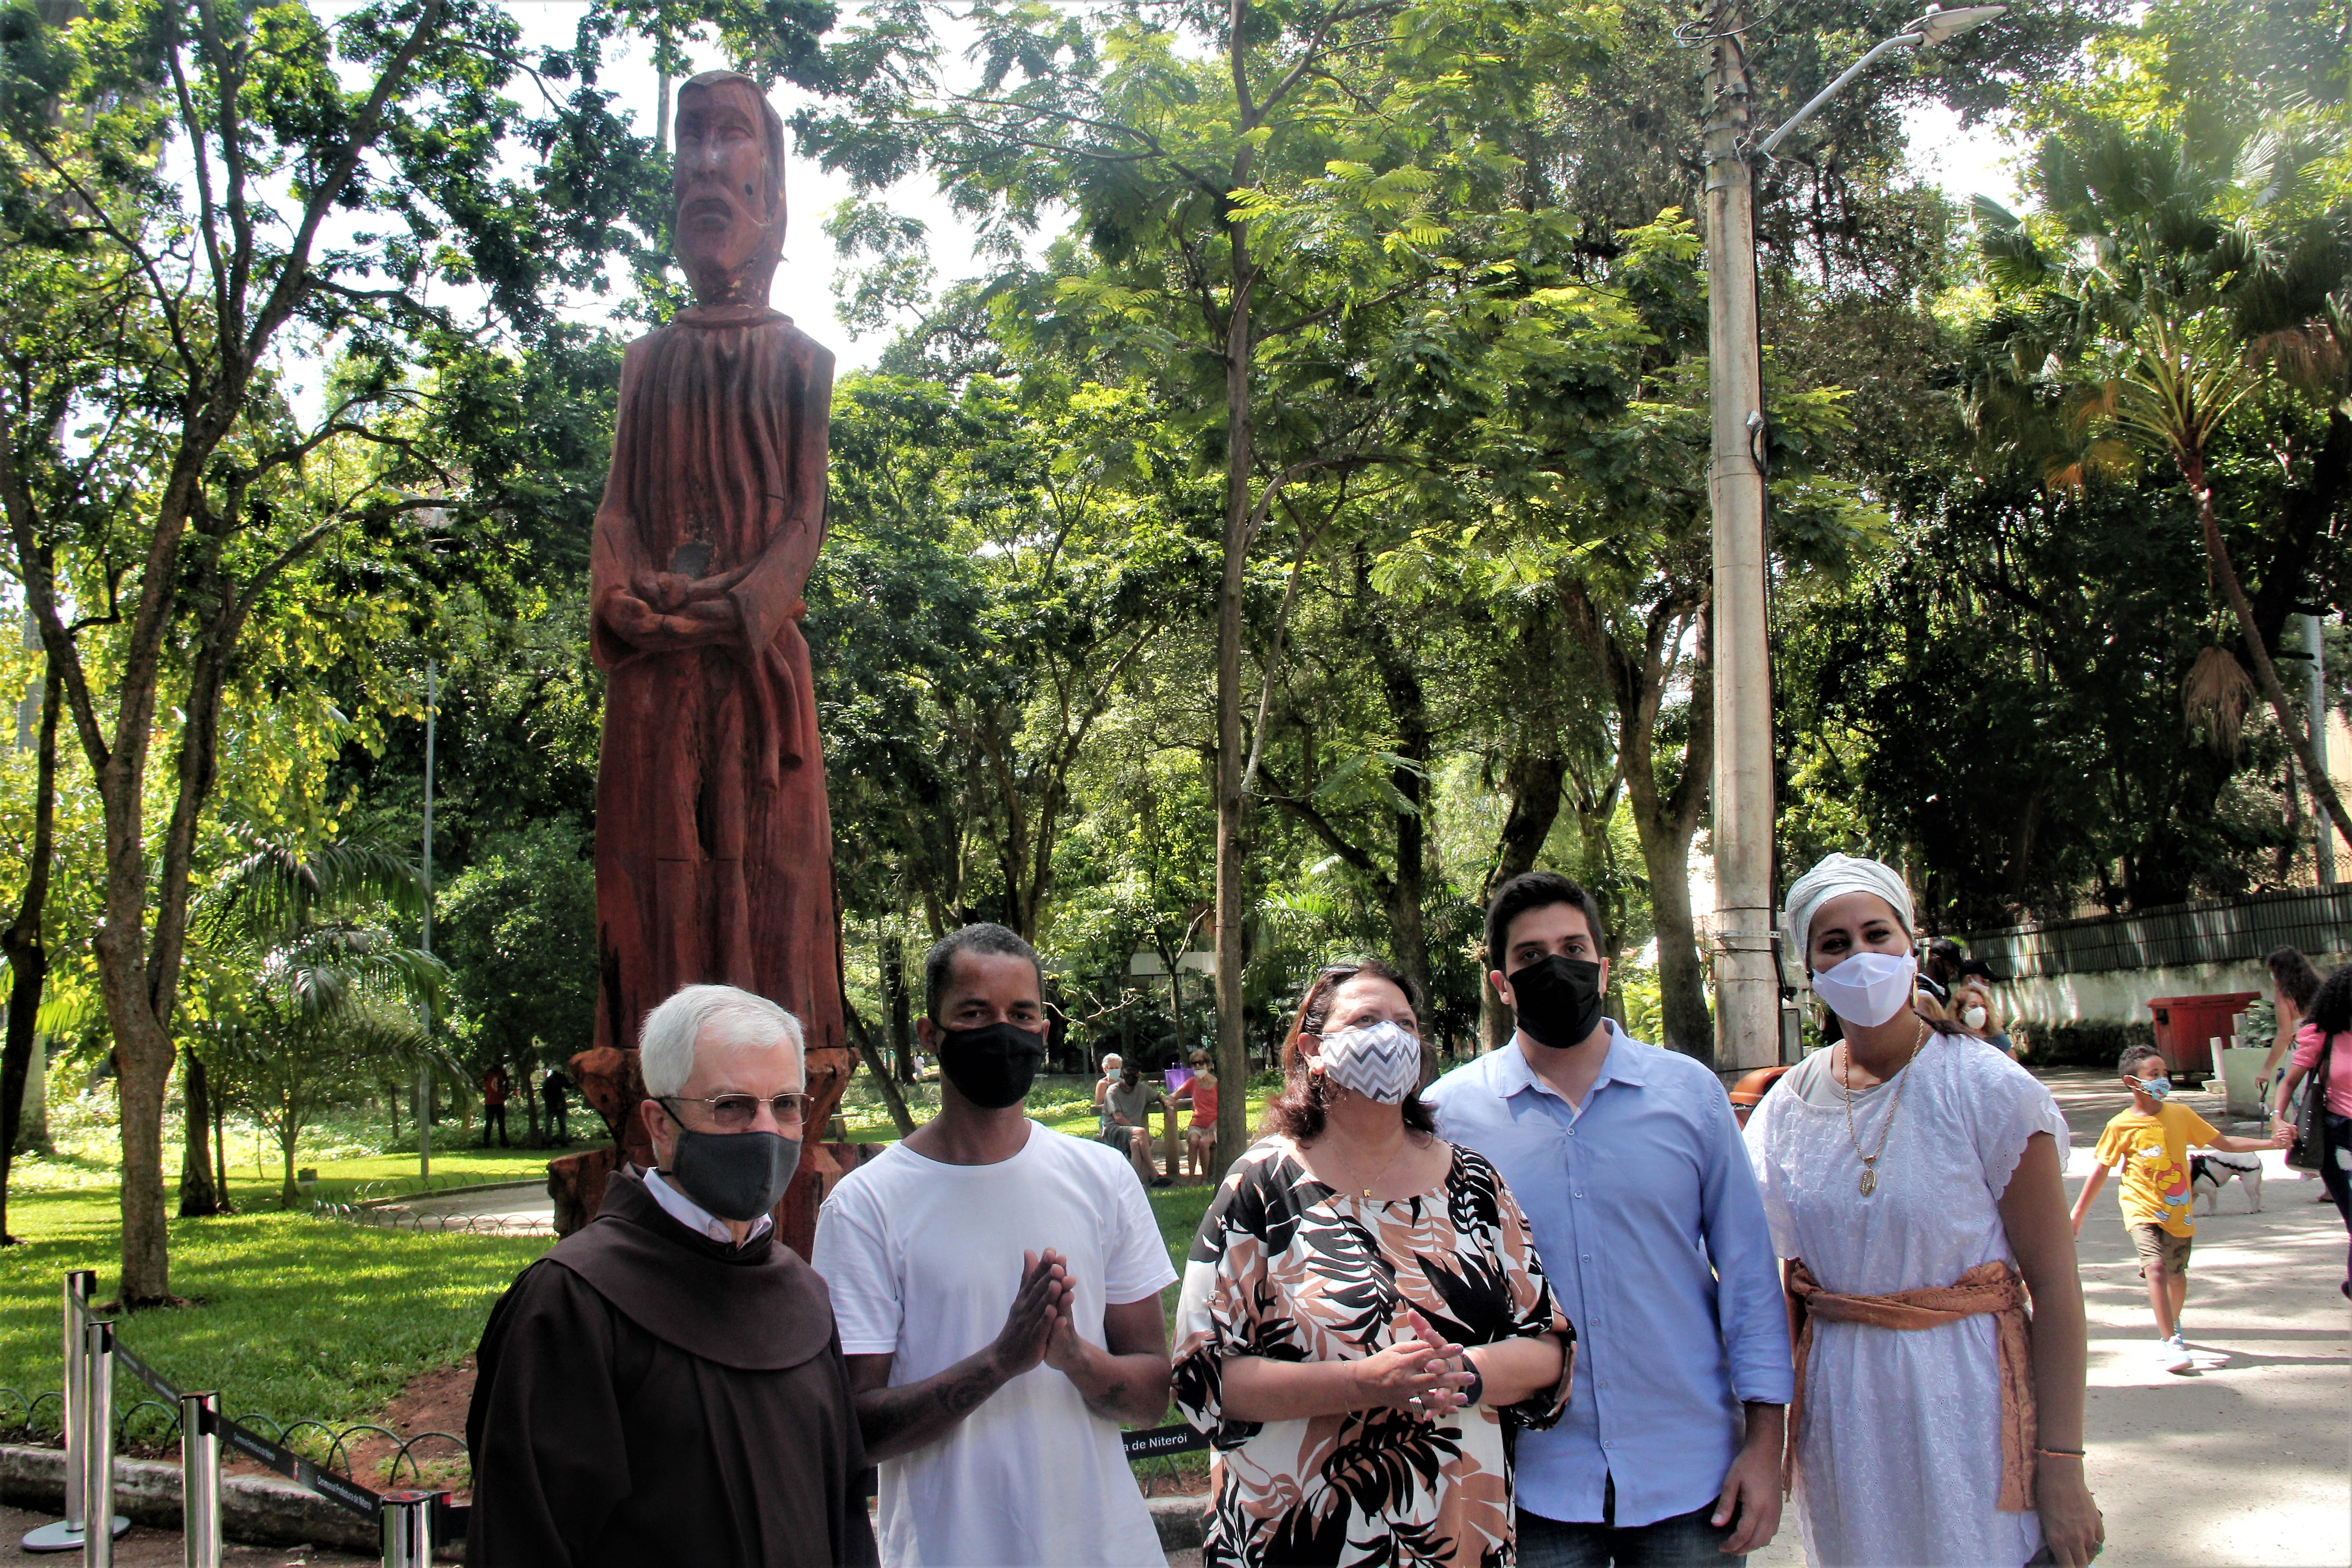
<point x="1647" y="1218"/>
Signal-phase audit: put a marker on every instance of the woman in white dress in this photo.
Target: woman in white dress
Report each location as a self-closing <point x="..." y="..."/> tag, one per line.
<point x="1910" y="1176"/>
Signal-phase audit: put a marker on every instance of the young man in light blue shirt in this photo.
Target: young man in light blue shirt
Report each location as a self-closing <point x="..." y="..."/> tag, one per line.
<point x="1631" y="1169"/>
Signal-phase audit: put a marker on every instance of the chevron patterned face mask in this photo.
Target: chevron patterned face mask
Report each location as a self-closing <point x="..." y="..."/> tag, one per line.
<point x="1379" y="1061"/>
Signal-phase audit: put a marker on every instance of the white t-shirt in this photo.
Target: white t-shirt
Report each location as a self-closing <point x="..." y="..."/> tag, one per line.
<point x="923" y="1260"/>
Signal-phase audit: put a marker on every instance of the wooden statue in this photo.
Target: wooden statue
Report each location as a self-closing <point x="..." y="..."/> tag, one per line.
<point x="714" y="849"/>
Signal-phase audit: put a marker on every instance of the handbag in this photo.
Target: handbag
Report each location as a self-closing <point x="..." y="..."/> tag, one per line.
<point x="2309" y="1151"/>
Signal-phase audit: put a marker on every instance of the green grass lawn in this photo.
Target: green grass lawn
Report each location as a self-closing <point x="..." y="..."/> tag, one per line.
<point x="297" y="1317"/>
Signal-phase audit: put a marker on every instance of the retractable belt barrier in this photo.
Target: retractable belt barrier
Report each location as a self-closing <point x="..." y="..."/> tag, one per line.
<point x="410" y="1524"/>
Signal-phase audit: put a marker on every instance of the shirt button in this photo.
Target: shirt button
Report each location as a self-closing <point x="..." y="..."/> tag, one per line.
<point x="1571" y="1132"/>
<point x="1586" y="1258"/>
<point x="1576" y="1195"/>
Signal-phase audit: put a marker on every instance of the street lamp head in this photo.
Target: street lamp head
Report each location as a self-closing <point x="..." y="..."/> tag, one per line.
<point x="1939" y="26"/>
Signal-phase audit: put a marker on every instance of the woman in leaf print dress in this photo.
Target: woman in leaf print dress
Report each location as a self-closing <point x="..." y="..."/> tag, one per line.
<point x="1363" y="1314"/>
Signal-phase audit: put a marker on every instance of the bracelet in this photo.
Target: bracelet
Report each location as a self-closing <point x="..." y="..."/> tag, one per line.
<point x="2061" y="1453"/>
<point x="1472" y="1394"/>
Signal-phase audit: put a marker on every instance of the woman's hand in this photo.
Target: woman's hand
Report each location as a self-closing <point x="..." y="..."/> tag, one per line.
<point x="1420" y="1374"/>
<point x="2071" y="1525"/>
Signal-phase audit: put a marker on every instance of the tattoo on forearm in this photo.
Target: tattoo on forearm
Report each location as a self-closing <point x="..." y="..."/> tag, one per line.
<point x="927" y="1409"/>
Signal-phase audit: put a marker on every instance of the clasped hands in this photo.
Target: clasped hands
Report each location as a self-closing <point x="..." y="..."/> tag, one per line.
<point x="1424" y="1374"/>
<point x="664" y="606"/>
<point x="1042" y="1328"/>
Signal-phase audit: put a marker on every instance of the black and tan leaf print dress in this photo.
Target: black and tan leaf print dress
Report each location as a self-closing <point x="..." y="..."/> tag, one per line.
<point x="1286" y="1268"/>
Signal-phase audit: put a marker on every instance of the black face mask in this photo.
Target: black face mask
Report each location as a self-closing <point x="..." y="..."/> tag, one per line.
<point x="735" y="1176"/>
<point x="1558" y="999"/>
<point x="991" y="1067"/>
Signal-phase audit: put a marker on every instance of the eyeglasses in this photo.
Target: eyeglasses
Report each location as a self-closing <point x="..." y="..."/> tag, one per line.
<point x="735" y="1112"/>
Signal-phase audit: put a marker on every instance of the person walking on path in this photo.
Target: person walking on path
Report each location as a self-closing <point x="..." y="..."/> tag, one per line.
<point x="1363" y="1319"/>
<point x="2323" y="1050"/>
<point x="2150" y="1140"/>
<point x="1628" y="1165"/>
<point x="1911" y="1177"/>
<point x="2293" y="984"/>
<point x="494" y="1105"/>
<point x="553" y="1089"/>
<point x="997" y="1285"/>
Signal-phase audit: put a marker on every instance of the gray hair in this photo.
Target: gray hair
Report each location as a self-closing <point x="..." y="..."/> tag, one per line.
<point x="665" y="1045"/>
<point x="1114" y="1059"/>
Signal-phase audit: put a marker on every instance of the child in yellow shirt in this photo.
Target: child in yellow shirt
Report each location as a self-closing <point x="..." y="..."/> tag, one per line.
<point x="2151" y="1142"/>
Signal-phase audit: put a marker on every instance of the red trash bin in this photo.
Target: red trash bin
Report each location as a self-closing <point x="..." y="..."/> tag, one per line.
<point x="2187" y="1026"/>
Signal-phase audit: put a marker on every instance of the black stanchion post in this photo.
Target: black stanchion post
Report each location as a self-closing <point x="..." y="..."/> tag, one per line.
<point x="200" y="1479"/>
<point x="408" y="1528"/>
<point x="97" y="1443"/>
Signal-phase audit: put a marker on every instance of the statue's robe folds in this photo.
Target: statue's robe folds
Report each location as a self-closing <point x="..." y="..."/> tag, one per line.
<point x="645" y="1395"/>
<point x="714" y="848"/>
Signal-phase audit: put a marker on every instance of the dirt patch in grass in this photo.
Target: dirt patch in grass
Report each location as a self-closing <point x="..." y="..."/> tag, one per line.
<point x="435" y="1401"/>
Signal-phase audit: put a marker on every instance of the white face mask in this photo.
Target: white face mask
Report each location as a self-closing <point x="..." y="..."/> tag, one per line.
<point x="1379" y="1061"/>
<point x="1868" y="988"/>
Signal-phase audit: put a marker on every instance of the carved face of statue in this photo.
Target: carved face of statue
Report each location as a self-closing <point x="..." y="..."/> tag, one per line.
<point x="730" y="209"/>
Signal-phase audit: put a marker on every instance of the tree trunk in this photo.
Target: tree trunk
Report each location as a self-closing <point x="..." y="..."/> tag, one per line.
<point x="2323" y="788"/>
<point x="289" y="1194"/>
<point x="1664" y="819"/>
<point x="1408" y="704"/>
<point x="1232" y="822"/>
<point x="220" y="1154"/>
<point x="27" y="955"/>
<point x="896" y="1006"/>
<point x="198" y="1196"/>
<point x="1532" y="777"/>
<point x="891" y="1098"/>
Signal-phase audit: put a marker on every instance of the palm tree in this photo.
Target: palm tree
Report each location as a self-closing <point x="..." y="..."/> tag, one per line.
<point x="2157" y="318"/>
<point x="320" y="999"/>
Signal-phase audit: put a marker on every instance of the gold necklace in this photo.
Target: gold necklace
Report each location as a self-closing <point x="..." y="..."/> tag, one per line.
<point x="1403" y="1141"/>
<point x="1870" y="1162"/>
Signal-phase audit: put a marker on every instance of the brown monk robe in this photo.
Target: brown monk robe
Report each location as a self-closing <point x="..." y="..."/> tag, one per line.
<point x="713" y="845"/>
<point x="645" y="1395"/>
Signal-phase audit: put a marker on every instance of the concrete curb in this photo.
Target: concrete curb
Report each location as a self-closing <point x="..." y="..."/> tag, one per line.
<point x="1182" y="1522"/>
<point x="539" y="1184"/>
<point x="264" y="1510"/>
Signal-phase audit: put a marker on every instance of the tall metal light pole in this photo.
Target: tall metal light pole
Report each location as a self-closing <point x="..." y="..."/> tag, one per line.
<point x="1747" y="980"/>
<point x="424" y="1067"/>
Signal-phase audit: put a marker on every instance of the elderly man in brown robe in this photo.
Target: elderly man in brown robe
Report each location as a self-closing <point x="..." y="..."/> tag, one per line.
<point x="666" y="1385"/>
<point x="713" y="845"/>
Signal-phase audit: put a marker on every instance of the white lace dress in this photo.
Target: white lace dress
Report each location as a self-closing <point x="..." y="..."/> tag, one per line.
<point x="1899" y="1465"/>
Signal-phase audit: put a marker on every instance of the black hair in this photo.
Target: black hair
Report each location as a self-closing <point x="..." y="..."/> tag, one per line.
<point x="2296" y="980"/>
<point x="2331" y="1005"/>
<point x="986" y="939"/>
<point x="1945" y="947"/>
<point x="1536" y="891"/>
<point x="2133" y="1056"/>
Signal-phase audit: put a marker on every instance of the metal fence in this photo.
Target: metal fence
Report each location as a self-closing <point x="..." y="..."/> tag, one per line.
<point x="2223" y="931"/>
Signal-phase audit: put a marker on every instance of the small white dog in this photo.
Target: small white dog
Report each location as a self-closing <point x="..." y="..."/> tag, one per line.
<point x="2208" y="1173"/>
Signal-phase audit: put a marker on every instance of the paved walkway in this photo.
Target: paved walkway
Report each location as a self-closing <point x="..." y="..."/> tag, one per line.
<point x="2248" y="1460"/>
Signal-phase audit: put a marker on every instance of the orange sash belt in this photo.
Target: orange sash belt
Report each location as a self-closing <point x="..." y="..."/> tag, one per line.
<point x="1994" y="1288"/>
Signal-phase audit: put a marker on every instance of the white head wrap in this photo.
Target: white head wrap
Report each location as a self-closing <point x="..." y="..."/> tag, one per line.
<point x="1835" y="876"/>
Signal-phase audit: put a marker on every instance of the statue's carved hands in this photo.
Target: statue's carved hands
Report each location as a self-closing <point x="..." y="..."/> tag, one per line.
<point x="663" y="591"/>
<point x="708" y="620"/>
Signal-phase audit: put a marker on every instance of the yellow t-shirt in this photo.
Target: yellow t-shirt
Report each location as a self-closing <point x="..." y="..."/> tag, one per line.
<point x="2152" y="1151"/>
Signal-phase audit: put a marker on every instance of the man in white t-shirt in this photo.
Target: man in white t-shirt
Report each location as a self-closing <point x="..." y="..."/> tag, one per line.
<point x="997" y="1287"/>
